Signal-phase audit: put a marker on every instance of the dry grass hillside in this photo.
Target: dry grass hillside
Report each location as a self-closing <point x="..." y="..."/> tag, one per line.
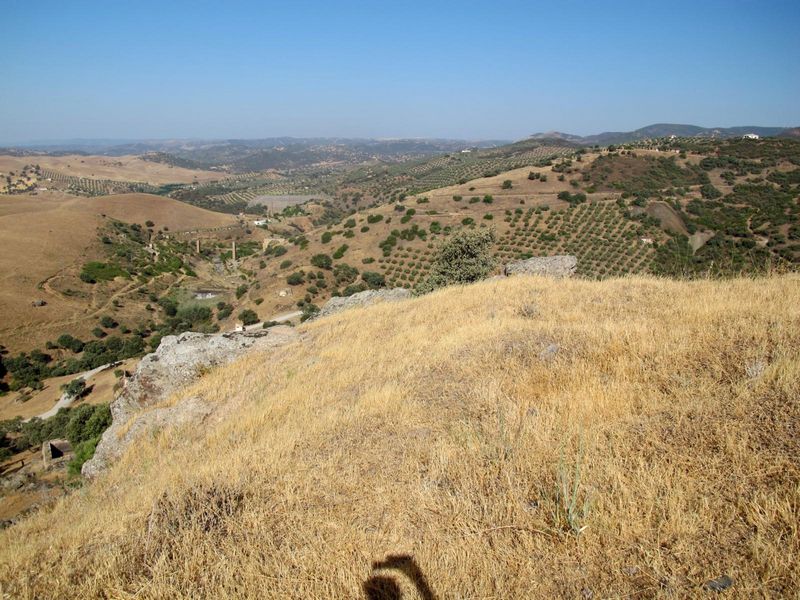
<point x="45" y="236"/>
<point x="128" y="168"/>
<point x="519" y="438"/>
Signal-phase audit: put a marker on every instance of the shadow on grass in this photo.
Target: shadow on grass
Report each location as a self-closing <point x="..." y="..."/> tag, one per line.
<point x="382" y="587"/>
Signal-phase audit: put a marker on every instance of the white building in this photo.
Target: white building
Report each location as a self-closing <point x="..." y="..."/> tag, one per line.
<point x="750" y="136"/>
<point x="260" y="222"/>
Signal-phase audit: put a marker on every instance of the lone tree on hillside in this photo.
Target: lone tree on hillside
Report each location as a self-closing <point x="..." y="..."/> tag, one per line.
<point x="74" y="388"/>
<point x="464" y="258"/>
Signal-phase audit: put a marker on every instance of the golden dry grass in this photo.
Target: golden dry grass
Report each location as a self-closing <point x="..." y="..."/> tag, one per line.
<point x="441" y="428"/>
<point x="118" y="168"/>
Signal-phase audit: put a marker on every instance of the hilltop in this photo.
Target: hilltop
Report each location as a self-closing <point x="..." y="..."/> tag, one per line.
<point x="521" y="438"/>
<point x="662" y="130"/>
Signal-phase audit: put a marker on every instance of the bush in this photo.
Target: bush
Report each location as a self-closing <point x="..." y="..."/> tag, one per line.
<point x="373" y="279"/>
<point x="326" y="237"/>
<point x="323" y="261"/>
<point x="224" y="311"/>
<point x="709" y="192"/>
<point x="296" y="278"/>
<point x="372" y="219"/>
<point x="507" y="185"/>
<point x="463" y="258"/>
<point x="286" y="264"/>
<point x="340" y="251"/>
<point x="344" y="274"/>
<point x="488" y="199"/>
<point x="108" y="322"/>
<point x="248" y="317"/>
<point x="68" y="342"/>
<point x="309" y="310"/>
<point x="241" y="291"/>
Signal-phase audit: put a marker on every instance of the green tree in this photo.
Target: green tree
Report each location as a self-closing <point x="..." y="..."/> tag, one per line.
<point x="464" y="258"/>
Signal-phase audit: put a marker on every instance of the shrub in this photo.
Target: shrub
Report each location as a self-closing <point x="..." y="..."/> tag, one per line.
<point x="373" y="279"/>
<point x="488" y="199"/>
<point x="340" y="251"/>
<point x="463" y="258"/>
<point x="296" y="278"/>
<point x="709" y="192"/>
<point x="326" y="237"/>
<point x="323" y="261"/>
<point x="372" y="219"/>
<point x="224" y="311"/>
<point x="108" y="322"/>
<point x="309" y="310"/>
<point x="66" y="341"/>
<point x="248" y="317"/>
<point x="507" y="185"/>
<point x="286" y="264"/>
<point x="344" y="274"/>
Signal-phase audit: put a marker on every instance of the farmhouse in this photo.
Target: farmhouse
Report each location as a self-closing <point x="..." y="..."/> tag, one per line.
<point x="750" y="136"/>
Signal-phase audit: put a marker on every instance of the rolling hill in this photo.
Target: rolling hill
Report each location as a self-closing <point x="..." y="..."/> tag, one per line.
<point x="50" y="236"/>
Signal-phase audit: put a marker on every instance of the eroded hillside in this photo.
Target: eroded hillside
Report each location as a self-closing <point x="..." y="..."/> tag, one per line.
<point x="523" y="438"/>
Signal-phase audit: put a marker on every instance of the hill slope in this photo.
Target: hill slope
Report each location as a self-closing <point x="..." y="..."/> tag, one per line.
<point x="43" y="235"/>
<point x="659" y="130"/>
<point x="515" y="438"/>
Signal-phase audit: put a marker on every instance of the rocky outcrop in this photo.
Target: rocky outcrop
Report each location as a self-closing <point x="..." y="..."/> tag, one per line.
<point x="550" y="266"/>
<point x="339" y="303"/>
<point x="178" y="361"/>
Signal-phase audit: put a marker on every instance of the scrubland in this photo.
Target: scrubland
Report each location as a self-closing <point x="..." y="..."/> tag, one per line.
<point x="517" y="438"/>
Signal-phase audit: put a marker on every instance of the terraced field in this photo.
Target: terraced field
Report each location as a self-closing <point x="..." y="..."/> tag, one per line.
<point x="86" y="186"/>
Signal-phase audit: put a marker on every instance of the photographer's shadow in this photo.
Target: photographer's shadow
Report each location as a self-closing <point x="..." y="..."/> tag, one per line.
<point x="384" y="587"/>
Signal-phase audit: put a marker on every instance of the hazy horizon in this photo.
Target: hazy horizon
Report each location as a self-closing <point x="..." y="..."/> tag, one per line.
<point x="422" y="70"/>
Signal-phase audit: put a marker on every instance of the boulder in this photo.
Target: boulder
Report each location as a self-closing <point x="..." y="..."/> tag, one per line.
<point x="178" y="361"/>
<point x="550" y="266"/>
<point x="338" y="303"/>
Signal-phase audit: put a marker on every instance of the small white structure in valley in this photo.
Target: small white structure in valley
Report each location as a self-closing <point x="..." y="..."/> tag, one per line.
<point x="751" y="136"/>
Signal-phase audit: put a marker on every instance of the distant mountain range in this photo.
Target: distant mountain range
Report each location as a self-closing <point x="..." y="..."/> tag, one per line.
<point x="665" y="130"/>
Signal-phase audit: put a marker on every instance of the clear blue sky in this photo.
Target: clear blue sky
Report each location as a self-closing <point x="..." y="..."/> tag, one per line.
<point x="499" y="69"/>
